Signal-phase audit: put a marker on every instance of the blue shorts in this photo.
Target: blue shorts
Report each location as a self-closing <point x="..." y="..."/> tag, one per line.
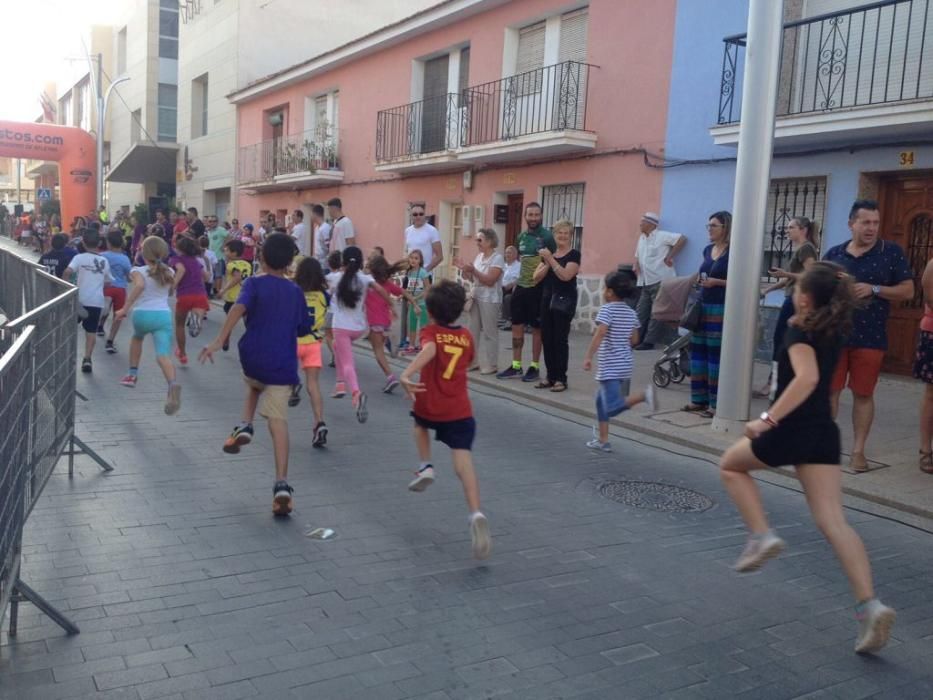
<point x="456" y="434"/>
<point x="159" y="324"/>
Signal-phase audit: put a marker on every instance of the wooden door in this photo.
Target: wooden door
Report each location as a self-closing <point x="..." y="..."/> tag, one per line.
<point x="514" y="225"/>
<point x="907" y="219"/>
<point x="434" y="105"/>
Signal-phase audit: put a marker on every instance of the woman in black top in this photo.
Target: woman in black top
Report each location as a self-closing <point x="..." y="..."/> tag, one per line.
<point x="559" y="271"/>
<point x="799" y="429"/>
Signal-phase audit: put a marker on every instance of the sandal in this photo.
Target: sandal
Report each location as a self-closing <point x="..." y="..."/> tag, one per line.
<point x="544" y="384"/>
<point x="694" y="408"/>
<point x="926" y="462"/>
<point x="558" y="387"/>
<point x="708" y="413"/>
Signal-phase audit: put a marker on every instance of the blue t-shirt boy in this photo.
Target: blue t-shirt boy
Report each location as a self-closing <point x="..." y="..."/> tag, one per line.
<point x="119" y="268"/>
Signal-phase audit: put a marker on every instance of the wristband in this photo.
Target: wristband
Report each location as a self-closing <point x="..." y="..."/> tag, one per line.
<point x="766" y="417"/>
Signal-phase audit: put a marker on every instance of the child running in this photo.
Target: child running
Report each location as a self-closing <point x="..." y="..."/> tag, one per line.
<point x="379" y="314"/>
<point x="120" y="267"/>
<point x="348" y="287"/>
<point x="191" y="303"/>
<point x="235" y="271"/>
<point x="210" y="257"/>
<point x="152" y="283"/>
<point x="417" y="282"/>
<point x="615" y="335"/>
<point x="309" y="276"/>
<point x="276" y="314"/>
<point x="92" y="272"/>
<point x="799" y="429"/>
<point x="335" y="265"/>
<point x="442" y="403"/>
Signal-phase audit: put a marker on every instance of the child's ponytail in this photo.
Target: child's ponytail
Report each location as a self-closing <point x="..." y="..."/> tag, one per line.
<point x="832" y="292"/>
<point x="348" y="289"/>
<point x="155" y="253"/>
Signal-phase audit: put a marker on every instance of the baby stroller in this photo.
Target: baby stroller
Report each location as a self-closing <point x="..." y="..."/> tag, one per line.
<point x="668" y="308"/>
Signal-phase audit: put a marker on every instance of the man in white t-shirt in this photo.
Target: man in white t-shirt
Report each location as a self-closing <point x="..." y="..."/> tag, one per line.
<point x="654" y="263"/>
<point x="424" y="237"/>
<point x="301" y="233"/>
<point x="342" y="232"/>
<point x="92" y="273"/>
<point x="509" y="278"/>
<point x="322" y="231"/>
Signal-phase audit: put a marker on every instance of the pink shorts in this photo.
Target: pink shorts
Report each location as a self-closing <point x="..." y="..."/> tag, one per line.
<point x="309" y="355"/>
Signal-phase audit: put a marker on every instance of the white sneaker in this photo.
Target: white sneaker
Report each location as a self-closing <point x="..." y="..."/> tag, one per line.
<point x="651" y="399"/>
<point x="875" y="621"/>
<point x="479" y="532"/>
<point x="424" y="479"/>
<point x="758" y="550"/>
<point x="596" y="444"/>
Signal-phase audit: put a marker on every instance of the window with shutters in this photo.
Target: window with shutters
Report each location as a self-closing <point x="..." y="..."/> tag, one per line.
<point x="787" y="200"/>
<point x="573" y="30"/>
<point x="530" y="59"/>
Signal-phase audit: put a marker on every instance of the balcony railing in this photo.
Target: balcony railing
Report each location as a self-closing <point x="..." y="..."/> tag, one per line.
<point x="296" y="154"/>
<point x="427" y="126"/>
<point x="552" y="98"/>
<point x="880" y="53"/>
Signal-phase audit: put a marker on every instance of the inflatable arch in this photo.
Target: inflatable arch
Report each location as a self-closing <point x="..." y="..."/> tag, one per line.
<point x="74" y="151"/>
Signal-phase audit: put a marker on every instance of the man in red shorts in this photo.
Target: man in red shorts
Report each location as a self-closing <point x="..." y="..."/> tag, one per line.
<point x="882" y="276"/>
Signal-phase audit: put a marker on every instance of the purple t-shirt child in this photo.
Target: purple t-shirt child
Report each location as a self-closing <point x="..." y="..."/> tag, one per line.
<point x="192" y="283"/>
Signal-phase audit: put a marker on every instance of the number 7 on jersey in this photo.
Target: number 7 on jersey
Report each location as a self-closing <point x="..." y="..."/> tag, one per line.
<point x="455" y="353"/>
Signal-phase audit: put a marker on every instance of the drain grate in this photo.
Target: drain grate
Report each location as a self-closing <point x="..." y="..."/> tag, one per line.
<point x="654" y="496"/>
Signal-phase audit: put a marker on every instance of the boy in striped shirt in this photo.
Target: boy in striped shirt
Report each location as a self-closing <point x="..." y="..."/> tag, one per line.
<point x="615" y="335"/>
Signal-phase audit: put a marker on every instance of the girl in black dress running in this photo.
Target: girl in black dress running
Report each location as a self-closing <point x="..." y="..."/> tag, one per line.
<point x="799" y="430"/>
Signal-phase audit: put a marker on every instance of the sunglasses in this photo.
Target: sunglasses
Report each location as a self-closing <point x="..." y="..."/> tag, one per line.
<point x="417" y="213"/>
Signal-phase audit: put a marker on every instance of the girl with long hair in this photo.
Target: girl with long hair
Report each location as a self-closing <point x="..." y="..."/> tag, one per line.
<point x="309" y="276"/>
<point x="148" y="301"/>
<point x="799" y="430"/>
<point x="191" y="303"/>
<point x="417" y="283"/>
<point x="350" y="285"/>
<point x="379" y="312"/>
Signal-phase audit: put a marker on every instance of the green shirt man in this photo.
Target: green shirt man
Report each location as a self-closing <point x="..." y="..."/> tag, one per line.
<point x="529" y="243"/>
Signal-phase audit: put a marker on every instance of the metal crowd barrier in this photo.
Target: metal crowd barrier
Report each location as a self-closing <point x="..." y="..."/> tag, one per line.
<point x="38" y="359"/>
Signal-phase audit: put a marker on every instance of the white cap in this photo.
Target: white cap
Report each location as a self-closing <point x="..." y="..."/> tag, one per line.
<point x="651" y="218"/>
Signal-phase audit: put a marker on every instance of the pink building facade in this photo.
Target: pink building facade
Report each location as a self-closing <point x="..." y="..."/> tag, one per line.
<point x="472" y="108"/>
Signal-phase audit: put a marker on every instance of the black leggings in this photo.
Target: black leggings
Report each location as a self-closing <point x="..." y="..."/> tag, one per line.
<point x="555" y="335"/>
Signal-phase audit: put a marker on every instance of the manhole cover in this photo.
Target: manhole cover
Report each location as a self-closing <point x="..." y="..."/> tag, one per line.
<point x="653" y="496"/>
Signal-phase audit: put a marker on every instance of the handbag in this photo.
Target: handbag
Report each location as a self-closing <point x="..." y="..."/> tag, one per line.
<point x="563" y="304"/>
<point x="691" y="319"/>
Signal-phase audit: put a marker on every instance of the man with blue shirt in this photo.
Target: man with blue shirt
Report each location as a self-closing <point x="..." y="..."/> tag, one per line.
<point x="882" y="275"/>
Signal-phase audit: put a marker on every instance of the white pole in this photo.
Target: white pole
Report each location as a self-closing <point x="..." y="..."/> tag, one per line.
<point x="102" y="103"/>
<point x="752" y="172"/>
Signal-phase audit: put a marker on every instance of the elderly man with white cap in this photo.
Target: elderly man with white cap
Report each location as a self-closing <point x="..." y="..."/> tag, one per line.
<point x="654" y="263"/>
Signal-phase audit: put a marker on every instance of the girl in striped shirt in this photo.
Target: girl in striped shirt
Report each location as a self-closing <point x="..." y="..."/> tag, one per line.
<point x="615" y="335"/>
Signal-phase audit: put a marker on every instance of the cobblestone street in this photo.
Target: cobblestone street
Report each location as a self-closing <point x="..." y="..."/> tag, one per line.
<point x="185" y="586"/>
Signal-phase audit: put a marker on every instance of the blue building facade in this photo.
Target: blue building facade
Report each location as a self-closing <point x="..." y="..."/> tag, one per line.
<point x="855" y="119"/>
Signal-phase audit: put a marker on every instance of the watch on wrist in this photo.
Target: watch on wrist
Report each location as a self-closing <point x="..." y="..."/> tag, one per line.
<point x="875" y="290"/>
<point x="766" y="417"/>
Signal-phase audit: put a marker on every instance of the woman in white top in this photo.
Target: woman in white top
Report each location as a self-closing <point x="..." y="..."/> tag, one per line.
<point x="148" y="300"/>
<point x="348" y="289"/>
<point x="486" y="275"/>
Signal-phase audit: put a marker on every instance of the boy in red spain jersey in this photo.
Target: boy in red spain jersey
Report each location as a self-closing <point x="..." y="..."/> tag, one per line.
<point x="442" y="403"/>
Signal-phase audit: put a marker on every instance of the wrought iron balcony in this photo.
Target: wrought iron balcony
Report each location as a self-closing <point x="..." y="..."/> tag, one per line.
<point x="306" y="159"/>
<point x="525" y="115"/>
<point x="875" y="54"/>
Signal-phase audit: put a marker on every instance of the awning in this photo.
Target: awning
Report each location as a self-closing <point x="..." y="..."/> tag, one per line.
<point x="41" y="168"/>
<point x="145" y="162"/>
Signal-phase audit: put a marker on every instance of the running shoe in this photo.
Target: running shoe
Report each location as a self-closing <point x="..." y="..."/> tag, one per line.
<point x="409" y="351"/>
<point x="173" y="400"/>
<point x="320" y="435"/>
<point x="391" y="383"/>
<point x="194" y="324"/>
<point x="359" y="403"/>
<point x="424" y="478"/>
<point x="100" y="331"/>
<point x="651" y="399"/>
<point x="340" y="390"/>
<point x="875" y="620"/>
<point x="182" y="357"/>
<point x="479" y="533"/>
<point x="598" y="445"/>
<point x="129" y="380"/>
<point x="759" y="549"/>
<point x="295" y="398"/>
<point x="282" y="498"/>
<point x="241" y="435"/>
<point x="108" y="346"/>
<point x="531" y="375"/>
<point x="86" y="365"/>
<point x="510" y="373"/>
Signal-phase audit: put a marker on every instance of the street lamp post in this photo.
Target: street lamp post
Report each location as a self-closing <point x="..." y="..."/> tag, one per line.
<point x="752" y="173"/>
<point x="102" y="102"/>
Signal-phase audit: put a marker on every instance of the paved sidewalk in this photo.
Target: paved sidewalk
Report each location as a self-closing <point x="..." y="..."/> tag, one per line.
<point x="186" y="588"/>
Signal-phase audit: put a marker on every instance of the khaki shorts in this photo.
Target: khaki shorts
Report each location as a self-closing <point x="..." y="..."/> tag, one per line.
<point x="273" y="398"/>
